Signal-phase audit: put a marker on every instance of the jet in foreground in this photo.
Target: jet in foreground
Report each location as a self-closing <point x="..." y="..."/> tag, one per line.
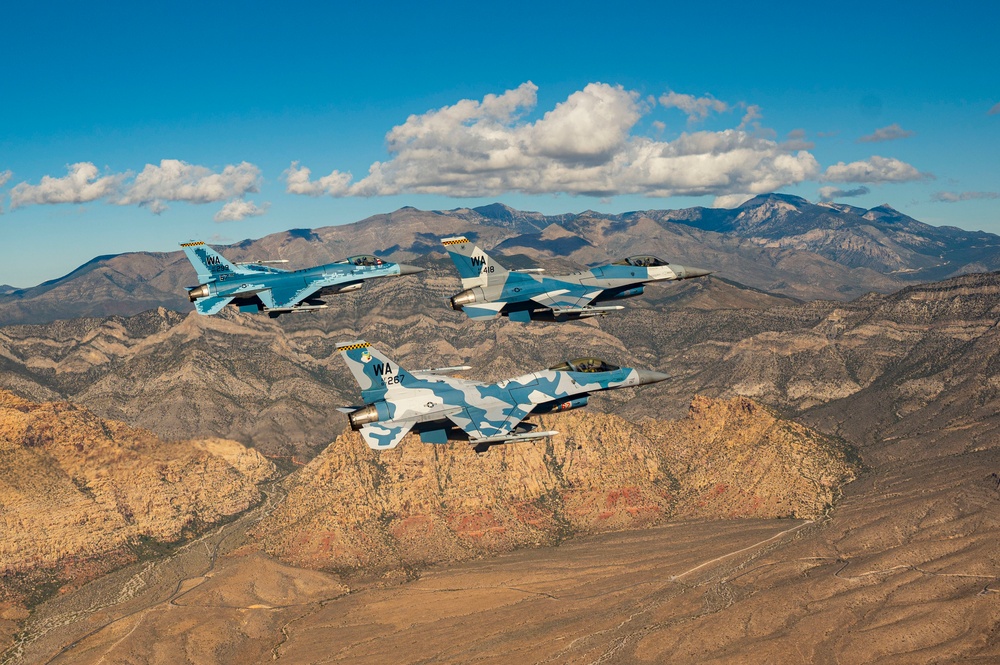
<point x="397" y="400"/>
<point x="259" y="287"/>
<point x="491" y="290"/>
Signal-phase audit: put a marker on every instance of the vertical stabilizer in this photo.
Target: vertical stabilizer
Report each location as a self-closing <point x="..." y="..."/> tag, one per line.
<point x="208" y="263"/>
<point x="378" y="376"/>
<point x="475" y="267"/>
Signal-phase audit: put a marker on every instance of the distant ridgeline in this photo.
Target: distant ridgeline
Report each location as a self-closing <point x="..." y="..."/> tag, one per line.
<point x="778" y="243"/>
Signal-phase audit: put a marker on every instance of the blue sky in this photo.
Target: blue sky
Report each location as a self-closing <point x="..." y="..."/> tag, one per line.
<point x="235" y="121"/>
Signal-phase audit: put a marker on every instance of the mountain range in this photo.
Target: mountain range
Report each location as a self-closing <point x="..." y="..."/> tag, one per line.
<point x="779" y="243"/>
<point x="777" y="400"/>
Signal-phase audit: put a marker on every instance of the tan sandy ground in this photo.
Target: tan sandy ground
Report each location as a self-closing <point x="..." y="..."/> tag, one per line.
<point x="905" y="570"/>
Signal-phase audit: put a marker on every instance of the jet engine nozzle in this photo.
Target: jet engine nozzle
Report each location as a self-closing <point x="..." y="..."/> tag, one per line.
<point x="198" y="292"/>
<point x="362" y="417"/>
<point x="466" y="297"/>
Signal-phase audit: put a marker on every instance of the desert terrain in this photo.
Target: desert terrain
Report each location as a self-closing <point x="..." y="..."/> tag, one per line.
<point x="817" y="482"/>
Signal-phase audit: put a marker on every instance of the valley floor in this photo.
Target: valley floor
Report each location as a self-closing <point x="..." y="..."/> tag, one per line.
<point x="905" y="569"/>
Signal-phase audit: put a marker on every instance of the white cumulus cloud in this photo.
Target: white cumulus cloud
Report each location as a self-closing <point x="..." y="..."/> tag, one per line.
<point x="238" y="209"/>
<point x="298" y="182"/>
<point x="171" y="180"/>
<point x="82" y="184"/>
<point x="176" y="180"/>
<point x="890" y="133"/>
<point x="874" y="170"/>
<point x="584" y="145"/>
<point x="589" y="127"/>
<point x="731" y="200"/>
<point x="697" y="108"/>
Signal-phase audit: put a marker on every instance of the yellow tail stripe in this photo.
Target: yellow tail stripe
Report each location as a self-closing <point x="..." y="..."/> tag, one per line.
<point x="351" y="347"/>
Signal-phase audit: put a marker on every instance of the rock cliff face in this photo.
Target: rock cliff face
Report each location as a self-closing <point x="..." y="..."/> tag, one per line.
<point x="353" y="509"/>
<point x="907" y="376"/>
<point x="80" y="495"/>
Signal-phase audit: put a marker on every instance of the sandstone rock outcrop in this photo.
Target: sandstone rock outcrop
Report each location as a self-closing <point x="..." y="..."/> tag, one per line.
<point x="80" y="495"/>
<point x="352" y="508"/>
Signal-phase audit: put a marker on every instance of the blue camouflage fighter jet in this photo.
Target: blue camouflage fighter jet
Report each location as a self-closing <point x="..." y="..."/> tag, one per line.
<point x="259" y="287"/>
<point x="397" y="400"/>
<point x="492" y="291"/>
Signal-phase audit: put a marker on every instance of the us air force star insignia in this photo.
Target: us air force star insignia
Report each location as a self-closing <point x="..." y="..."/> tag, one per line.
<point x="366" y="357"/>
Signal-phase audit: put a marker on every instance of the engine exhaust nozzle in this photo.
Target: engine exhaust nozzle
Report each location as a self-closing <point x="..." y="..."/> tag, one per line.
<point x="198" y="292"/>
<point x="460" y="300"/>
<point x="362" y="417"/>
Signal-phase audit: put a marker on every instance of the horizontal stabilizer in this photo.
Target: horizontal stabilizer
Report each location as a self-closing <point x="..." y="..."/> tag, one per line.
<point x="483" y="311"/>
<point x="382" y="437"/>
<point x="213" y="305"/>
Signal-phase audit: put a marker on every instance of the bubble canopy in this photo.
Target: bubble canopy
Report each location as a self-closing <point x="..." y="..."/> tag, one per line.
<point x="641" y="262"/>
<point x="584" y="365"/>
<point x="362" y="260"/>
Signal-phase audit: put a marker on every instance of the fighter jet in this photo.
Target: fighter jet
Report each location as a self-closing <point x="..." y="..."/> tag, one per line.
<point x="443" y="407"/>
<point x="260" y="287"/>
<point x="491" y="290"/>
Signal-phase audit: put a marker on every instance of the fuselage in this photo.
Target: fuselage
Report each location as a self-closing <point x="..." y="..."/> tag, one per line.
<point x="488" y="409"/>
<point x="328" y="275"/>
<point x="529" y="291"/>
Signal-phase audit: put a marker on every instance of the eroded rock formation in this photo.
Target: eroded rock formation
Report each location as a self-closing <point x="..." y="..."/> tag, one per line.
<point x="80" y="495"/>
<point x="352" y="508"/>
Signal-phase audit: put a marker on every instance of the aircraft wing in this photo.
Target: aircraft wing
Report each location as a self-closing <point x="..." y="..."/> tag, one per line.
<point x="294" y="291"/>
<point x="490" y="423"/>
<point x="567" y="299"/>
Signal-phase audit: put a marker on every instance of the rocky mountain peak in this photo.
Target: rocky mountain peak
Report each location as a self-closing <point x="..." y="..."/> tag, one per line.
<point x="886" y="214"/>
<point x="768" y="209"/>
<point x="498" y="211"/>
<point x="776" y="198"/>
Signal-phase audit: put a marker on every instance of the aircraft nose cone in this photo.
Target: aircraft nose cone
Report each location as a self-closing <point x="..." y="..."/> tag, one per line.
<point x="649" y="376"/>
<point x="687" y="272"/>
<point x="407" y="269"/>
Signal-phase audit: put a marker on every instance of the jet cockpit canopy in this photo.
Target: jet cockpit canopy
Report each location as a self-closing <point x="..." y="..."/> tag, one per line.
<point x="641" y="262"/>
<point x="584" y="365"/>
<point x="363" y="260"/>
